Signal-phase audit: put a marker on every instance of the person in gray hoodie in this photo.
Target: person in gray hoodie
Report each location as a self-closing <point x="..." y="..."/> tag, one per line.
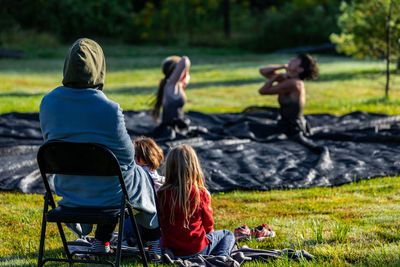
<point x="79" y="111"/>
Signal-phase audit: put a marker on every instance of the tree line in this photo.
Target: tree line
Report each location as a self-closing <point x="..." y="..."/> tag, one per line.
<point x="357" y="27"/>
<point x="253" y="24"/>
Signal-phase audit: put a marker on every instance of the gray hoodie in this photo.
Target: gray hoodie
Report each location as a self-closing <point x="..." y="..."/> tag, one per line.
<point x="84" y="66"/>
<point x="87" y="115"/>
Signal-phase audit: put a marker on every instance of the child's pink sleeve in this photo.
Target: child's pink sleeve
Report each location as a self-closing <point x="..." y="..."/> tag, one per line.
<point x="208" y="221"/>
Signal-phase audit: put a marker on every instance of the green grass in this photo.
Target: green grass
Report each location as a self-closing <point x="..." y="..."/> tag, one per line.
<point x="355" y="224"/>
<point x="222" y="81"/>
<point x="351" y="224"/>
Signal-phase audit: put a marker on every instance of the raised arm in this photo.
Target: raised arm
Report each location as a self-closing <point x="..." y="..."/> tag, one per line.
<point x="179" y="70"/>
<point x="277" y="85"/>
<point x="271" y="70"/>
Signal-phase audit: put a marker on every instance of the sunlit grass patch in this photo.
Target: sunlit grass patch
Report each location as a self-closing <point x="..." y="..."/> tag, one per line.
<point x="354" y="224"/>
<point x="221" y="82"/>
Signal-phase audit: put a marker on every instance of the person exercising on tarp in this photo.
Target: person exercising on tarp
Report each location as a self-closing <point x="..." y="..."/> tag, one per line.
<point x="291" y="91"/>
<point x="171" y="96"/>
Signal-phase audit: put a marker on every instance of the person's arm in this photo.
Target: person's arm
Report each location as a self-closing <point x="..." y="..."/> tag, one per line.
<point x="179" y="70"/>
<point x="271" y="70"/>
<point x="283" y="85"/>
<point x="207" y="218"/>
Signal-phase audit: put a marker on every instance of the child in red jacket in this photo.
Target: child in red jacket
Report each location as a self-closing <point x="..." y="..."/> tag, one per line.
<point x="185" y="211"/>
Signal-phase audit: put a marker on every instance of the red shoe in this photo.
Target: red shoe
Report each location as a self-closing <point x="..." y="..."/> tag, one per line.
<point x="242" y="233"/>
<point x="261" y="232"/>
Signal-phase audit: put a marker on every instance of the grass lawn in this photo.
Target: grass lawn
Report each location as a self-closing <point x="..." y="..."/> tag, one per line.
<point x="355" y="224"/>
<point x="221" y="81"/>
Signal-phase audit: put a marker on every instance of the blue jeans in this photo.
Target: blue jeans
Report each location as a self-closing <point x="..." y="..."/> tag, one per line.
<point x="221" y="243"/>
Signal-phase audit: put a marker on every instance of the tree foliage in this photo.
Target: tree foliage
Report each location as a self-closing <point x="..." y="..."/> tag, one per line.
<point x="298" y="23"/>
<point x="363" y="29"/>
<point x="74" y="18"/>
<point x="262" y="25"/>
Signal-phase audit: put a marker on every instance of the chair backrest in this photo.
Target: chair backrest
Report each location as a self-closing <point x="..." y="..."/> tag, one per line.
<point x="70" y="158"/>
<point x="60" y="157"/>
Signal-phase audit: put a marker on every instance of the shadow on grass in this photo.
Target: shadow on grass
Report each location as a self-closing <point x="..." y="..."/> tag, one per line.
<point x="22" y="260"/>
<point x="380" y="101"/>
<point x="347" y="75"/>
<point x="238" y="82"/>
<point x="21" y="94"/>
<point x="145" y="90"/>
<point x="40" y="66"/>
<point x="131" y="90"/>
<point x="310" y="242"/>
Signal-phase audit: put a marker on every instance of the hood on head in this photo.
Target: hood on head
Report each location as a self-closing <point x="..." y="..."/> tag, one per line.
<point x="84" y="65"/>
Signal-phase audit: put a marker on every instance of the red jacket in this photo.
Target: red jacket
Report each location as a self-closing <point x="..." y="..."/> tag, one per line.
<point x="183" y="241"/>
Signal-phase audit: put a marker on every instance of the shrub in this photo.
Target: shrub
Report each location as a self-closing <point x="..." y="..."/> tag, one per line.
<point x="363" y="29"/>
<point x="297" y="25"/>
<point x="177" y="21"/>
<point x="70" y="19"/>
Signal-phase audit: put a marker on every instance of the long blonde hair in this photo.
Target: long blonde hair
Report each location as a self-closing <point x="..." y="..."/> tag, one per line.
<point x="183" y="174"/>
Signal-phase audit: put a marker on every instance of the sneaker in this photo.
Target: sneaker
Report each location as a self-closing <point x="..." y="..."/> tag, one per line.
<point x="100" y="247"/>
<point x="154" y="248"/>
<point x="261" y="232"/>
<point x="243" y="233"/>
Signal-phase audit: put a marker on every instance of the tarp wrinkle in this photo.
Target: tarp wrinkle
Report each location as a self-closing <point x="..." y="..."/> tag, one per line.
<point x="239" y="150"/>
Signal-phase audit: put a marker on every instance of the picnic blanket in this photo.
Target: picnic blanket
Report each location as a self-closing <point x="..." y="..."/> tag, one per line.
<point x="238" y="256"/>
<point x="238" y="150"/>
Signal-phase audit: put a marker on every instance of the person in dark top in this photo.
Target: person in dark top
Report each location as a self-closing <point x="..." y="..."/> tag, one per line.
<point x="289" y="87"/>
<point x="171" y="96"/>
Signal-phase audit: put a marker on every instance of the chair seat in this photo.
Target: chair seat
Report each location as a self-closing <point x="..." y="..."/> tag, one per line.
<point x="84" y="215"/>
<point x="87" y="159"/>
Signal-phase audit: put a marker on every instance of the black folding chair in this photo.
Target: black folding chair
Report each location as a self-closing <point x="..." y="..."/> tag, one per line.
<point x="59" y="157"/>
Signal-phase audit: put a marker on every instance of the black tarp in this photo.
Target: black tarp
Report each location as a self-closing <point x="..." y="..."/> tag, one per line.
<point x="239" y="150"/>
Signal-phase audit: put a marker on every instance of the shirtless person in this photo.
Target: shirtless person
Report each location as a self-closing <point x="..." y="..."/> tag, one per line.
<point x="290" y="89"/>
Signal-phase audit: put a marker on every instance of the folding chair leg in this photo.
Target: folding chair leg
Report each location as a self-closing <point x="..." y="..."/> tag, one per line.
<point x="43" y="233"/>
<point x="120" y="231"/>
<point x="138" y="237"/>
<point x="64" y="240"/>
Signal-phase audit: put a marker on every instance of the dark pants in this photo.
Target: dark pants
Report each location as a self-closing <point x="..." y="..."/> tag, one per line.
<point x="168" y="130"/>
<point x="145" y="233"/>
<point x="294" y="126"/>
<point x="104" y="232"/>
